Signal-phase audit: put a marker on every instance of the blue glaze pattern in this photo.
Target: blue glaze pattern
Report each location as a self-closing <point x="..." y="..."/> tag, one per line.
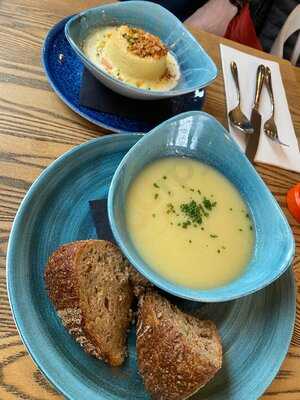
<point x="55" y="211"/>
<point x="196" y="67"/>
<point x="64" y="74"/>
<point x="198" y="135"/>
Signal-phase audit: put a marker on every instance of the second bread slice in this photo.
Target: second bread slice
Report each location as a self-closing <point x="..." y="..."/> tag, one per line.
<point x="177" y="353"/>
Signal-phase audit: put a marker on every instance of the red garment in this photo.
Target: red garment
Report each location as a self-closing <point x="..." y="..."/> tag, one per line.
<point x="241" y="29"/>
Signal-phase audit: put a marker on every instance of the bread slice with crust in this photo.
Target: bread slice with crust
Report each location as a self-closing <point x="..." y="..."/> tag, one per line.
<point x="88" y="283"/>
<point x="177" y="353"/>
<point x="139" y="282"/>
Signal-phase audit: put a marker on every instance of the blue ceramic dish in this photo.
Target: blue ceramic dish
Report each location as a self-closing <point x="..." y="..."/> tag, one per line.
<point x="197" y="68"/>
<point x="198" y="135"/>
<point x="64" y="71"/>
<point x="54" y="211"/>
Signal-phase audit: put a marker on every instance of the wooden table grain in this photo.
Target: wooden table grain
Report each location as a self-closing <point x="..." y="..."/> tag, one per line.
<point x="36" y="127"/>
<point x="297" y="74"/>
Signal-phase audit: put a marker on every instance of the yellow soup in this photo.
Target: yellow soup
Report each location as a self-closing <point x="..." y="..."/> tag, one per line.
<point x="189" y="223"/>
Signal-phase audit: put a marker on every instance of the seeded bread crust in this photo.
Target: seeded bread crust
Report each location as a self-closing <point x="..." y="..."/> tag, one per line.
<point x="63" y="285"/>
<point x="177" y="353"/>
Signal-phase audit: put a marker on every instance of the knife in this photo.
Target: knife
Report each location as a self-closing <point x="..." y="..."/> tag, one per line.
<point x="255" y="115"/>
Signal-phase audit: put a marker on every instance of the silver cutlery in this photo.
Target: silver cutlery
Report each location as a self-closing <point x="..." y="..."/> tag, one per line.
<point x="270" y="128"/>
<point x="253" y="140"/>
<point x="236" y="116"/>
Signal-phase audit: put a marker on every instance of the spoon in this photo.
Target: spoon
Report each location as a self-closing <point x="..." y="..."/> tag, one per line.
<point x="270" y="127"/>
<point x="237" y="118"/>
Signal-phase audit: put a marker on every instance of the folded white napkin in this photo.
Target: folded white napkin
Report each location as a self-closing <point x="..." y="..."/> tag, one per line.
<point x="268" y="151"/>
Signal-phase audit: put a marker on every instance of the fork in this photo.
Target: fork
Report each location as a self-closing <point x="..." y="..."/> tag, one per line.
<point x="270" y="127"/>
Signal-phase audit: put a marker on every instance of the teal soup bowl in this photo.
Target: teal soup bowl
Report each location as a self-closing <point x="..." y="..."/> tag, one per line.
<point x="199" y="136"/>
<point x="196" y="67"/>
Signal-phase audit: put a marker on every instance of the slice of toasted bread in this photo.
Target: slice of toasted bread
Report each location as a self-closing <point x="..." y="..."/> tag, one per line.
<point x="139" y="282"/>
<point x="177" y="353"/>
<point x="88" y="283"/>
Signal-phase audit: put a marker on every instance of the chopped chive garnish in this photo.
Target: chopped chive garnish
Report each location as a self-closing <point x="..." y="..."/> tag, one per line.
<point x="170" y="208"/>
<point x="213" y="236"/>
<point x="208" y="204"/>
<point x="192" y="211"/>
<point x="202" y="210"/>
<point x="185" y="224"/>
<point x="164" y="177"/>
<point x="240" y="229"/>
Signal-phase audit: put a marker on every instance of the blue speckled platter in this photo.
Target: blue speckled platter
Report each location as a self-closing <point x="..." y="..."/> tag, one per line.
<point x="256" y="330"/>
<point x="63" y="70"/>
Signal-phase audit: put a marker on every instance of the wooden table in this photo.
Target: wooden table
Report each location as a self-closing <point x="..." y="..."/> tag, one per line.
<point x="297" y="74"/>
<point x="36" y="127"/>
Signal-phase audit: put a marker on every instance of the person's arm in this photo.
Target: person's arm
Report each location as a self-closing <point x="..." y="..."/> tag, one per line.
<point x="214" y="16"/>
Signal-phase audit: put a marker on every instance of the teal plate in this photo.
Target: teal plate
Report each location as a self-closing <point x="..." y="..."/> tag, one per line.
<point x="256" y="330"/>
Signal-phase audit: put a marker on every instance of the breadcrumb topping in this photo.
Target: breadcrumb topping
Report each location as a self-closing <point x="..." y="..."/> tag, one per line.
<point x="144" y="44"/>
